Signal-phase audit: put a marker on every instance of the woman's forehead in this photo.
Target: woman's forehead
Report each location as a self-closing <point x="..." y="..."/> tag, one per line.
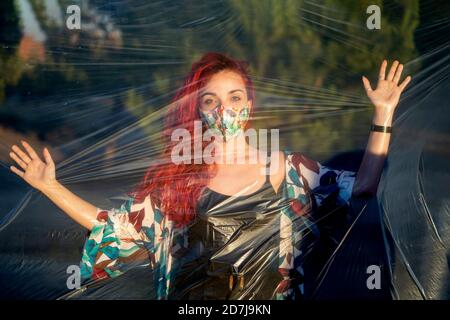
<point x="223" y="83"/>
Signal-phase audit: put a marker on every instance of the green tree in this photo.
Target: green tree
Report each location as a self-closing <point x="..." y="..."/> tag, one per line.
<point x="10" y="66"/>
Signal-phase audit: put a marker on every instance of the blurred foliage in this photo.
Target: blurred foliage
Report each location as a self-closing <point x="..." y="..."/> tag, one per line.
<point x="312" y="52"/>
<point x="324" y="44"/>
<point x="10" y="64"/>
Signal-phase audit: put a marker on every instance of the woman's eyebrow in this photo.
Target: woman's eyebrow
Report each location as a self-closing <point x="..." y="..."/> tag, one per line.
<point x="206" y="93"/>
<point x="213" y="94"/>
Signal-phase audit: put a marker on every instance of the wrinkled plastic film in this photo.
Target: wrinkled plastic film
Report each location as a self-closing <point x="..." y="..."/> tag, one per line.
<point x="98" y="98"/>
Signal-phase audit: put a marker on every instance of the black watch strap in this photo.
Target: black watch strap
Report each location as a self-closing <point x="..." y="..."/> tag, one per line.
<point x="384" y="129"/>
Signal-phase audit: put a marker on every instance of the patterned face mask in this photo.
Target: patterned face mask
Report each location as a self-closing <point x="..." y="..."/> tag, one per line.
<point x="230" y="122"/>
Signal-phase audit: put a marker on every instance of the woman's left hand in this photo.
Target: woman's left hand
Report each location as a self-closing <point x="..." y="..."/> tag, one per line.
<point x="387" y="94"/>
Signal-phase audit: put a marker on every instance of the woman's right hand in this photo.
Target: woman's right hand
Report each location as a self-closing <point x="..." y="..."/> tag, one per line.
<point x="41" y="175"/>
<point x="37" y="173"/>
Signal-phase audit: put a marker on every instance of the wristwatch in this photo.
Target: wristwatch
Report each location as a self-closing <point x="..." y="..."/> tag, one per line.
<point x="378" y="128"/>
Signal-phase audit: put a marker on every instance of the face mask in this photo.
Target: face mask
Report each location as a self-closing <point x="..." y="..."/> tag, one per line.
<point x="230" y="122"/>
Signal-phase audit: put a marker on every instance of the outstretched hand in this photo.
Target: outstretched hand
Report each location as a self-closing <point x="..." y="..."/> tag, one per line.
<point x="37" y="173"/>
<point x="387" y="94"/>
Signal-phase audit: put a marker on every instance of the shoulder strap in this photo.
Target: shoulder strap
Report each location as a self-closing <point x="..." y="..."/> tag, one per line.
<point x="268" y="161"/>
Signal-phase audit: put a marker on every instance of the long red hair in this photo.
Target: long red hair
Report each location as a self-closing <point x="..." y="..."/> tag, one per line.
<point x="175" y="188"/>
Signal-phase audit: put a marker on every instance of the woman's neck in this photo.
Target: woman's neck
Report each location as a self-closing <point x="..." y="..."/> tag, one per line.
<point x="237" y="151"/>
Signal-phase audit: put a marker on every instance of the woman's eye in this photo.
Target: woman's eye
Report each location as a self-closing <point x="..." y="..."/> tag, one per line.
<point x="236" y="98"/>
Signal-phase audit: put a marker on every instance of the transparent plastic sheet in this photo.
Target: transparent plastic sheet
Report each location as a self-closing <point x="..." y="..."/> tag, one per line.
<point x="417" y="240"/>
<point x="98" y="99"/>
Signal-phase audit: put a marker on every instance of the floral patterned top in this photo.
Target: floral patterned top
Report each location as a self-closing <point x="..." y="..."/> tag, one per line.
<point x="137" y="233"/>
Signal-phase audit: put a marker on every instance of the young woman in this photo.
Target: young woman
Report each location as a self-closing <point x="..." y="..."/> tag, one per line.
<point x="219" y="229"/>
